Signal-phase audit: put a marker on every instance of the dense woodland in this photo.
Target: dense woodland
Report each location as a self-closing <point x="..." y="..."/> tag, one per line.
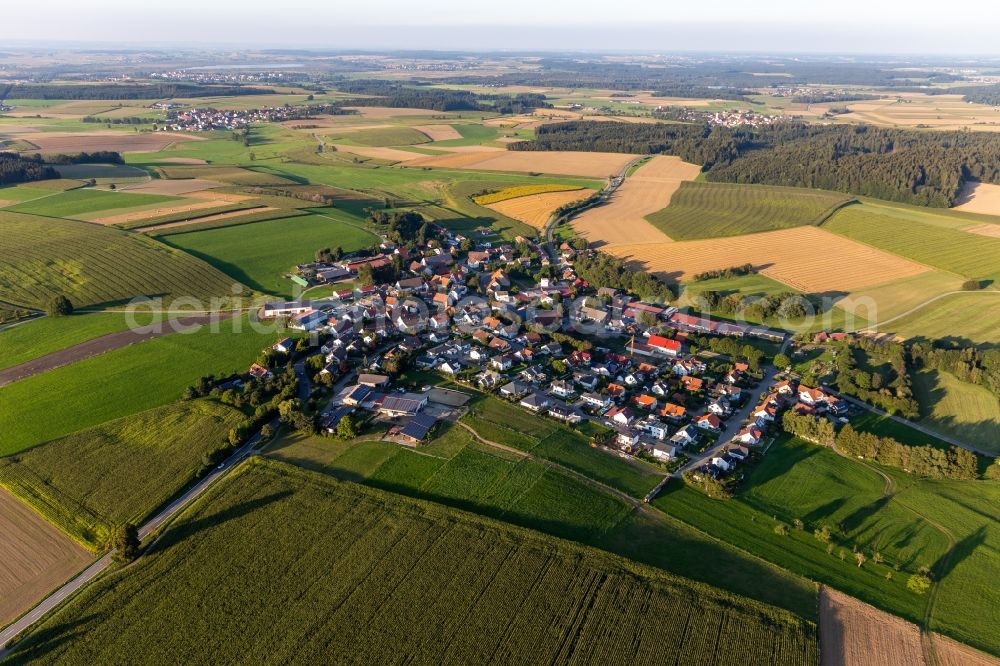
<point x="826" y="98"/>
<point x="703" y="92"/>
<point x="121" y="91"/>
<point x="395" y="95"/>
<point x="976" y="366"/>
<point x="602" y="270"/>
<point x="876" y="372"/>
<point x="897" y="165"/>
<point x="16" y="169"/>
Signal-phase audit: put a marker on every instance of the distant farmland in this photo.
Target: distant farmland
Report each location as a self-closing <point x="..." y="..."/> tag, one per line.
<point x="91" y="265"/>
<point x="365" y="576"/>
<point x="708" y="210"/>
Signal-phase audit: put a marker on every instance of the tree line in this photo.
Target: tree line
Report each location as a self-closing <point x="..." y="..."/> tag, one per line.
<point x="602" y="270"/>
<point x="888" y="386"/>
<point x="130" y="120"/>
<point x="122" y="91"/>
<point x="922" y="168"/>
<point x="17" y="169"/>
<point x="396" y="95"/>
<point x="969" y="364"/>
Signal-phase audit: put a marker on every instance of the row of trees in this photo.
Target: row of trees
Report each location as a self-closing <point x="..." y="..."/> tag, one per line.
<point x="923" y="168"/>
<point x="928" y="461"/>
<point x="122" y="91"/>
<point x="16" y="169"/>
<point x="397" y="95"/>
<point x="970" y="364"/>
<point x="787" y="304"/>
<point x="602" y="270"/>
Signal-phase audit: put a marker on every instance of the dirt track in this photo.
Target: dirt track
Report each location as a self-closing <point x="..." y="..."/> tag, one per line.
<point x="100" y="345"/>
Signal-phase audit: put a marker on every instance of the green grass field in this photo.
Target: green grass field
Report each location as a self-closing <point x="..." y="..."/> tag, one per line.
<point x="382" y="136"/>
<point x="910" y="529"/>
<point x="23" y="192"/>
<point x="455" y="470"/>
<point x="81" y="202"/>
<point x="708" y="210"/>
<point x="967" y="319"/>
<point x="259" y="254"/>
<point x="368" y="576"/>
<point x="33" y="339"/>
<point x="122" y="382"/>
<point x="968" y="255"/>
<point x="952" y="407"/>
<point x="93" y="265"/>
<point x="117" y="472"/>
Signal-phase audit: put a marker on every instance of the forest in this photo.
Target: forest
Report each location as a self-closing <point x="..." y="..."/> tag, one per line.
<point x="921" y="168"/>
<point x="16" y="169"/>
<point x="395" y="95"/>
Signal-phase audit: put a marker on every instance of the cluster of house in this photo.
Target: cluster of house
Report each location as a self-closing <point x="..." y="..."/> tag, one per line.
<point x="735" y="118"/>
<point x="217" y="77"/>
<point x="205" y="120"/>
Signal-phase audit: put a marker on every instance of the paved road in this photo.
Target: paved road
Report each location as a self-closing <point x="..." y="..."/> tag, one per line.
<point x="100" y="345"/>
<point x="94" y="570"/>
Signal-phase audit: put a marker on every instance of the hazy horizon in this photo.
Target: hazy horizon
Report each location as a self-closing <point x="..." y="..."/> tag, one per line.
<point x="783" y="27"/>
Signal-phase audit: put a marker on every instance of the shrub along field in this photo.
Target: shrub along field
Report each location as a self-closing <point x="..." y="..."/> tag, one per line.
<point x="969" y="255"/>
<point x="708" y="210"/>
<point x="949" y="526"/>
<point x="123" y="382"/>
<point x="365" y="575"/>
<point x="91" y="265"/>
<point x="259" y="254"/>
<point x="117" y="472"/>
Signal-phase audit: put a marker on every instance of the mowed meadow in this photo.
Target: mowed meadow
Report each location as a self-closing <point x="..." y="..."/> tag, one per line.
<point x="397" y="578"/>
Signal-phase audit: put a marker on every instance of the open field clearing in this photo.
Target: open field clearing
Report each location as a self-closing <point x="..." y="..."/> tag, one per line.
<point x="120" y="471"/>
<point x="986" y="229"/>
<point x="852" y="633"/>
<point x="983" y="198"/>
<point x="122" y="142"/>
<point x="569" y="163"/>
<point x="965" y="411"/>
<point x="969" y="255"/>
<point x="76" y="203"/>
<point x="94" y="265"/>
<point x="623" y="218"/>
<point x="45" y="335"/>
<point x="379" y="153"/>
<point x="19" y="193"/>
<point x="259" y="254"/>
<point x="35" y="557"/>
<point x="883" y="302"/>
<point x="972" y="317"/>
<point x="389" y="578"/>
<point x="940" y="112"/>
<point x="240" y="216"/>
<point x="390" y="135"/>
<point x="516" y="191"/>
<point x="950" y="526"/>
<point x="709" y="210"/>
<point x="126" y="219"/>
<point x="231" y="175"/>
<point x="438" y="132"/>
<point x="121" y="173"/>
<point x="806" y="258"/>
<point x="535" y="210"/>
<point x="173" y="187"/>
<point x="124" y="381"/>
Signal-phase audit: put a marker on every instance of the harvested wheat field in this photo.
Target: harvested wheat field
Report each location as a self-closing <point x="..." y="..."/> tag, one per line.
<point x="173" y="187"/>
<point x="566" y="163"/>
<point x="378" y="112"/>
<point x="807" y="258"/>
<point x="221" y="197"/>
<point x="536" y="209"/>
<point x="183" y="160"/>
<point x="852" y="633"/>
<point x="985" y="229"/>
<point x="208" y="218"/>
<point x="623" y="218"/>
<point x="981" y="198"/>
<point x="136" y="215"/>
<point x="35" y="558"/>
<point x="438" y="132"/>
<point x="941" y="112"/>
<point x="122" y="142"/>
<point x="379" y="153"/>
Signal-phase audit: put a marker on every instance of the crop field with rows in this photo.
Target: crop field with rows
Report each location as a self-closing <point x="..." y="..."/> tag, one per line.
<point x="41" y="258"/>
<point x="365" y="576"/>
<point x="708" y="210"/>
<point x="519" y="191"/>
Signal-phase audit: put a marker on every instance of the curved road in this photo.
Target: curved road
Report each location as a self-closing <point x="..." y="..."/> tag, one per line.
<point x="917" y="308"/>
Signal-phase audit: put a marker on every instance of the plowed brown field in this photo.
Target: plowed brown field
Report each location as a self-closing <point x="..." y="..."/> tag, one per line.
<point x="806" y="258"/>
<point x="536" y="209"/>
<point x="122" y="142"/>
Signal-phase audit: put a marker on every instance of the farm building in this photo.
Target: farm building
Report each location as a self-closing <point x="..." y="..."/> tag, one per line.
<point x="417" y="429"/>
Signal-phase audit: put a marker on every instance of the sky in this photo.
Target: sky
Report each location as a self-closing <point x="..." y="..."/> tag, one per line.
<point x="772" y="26"/>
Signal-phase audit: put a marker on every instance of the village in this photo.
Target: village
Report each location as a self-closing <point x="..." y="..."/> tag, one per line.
<point x="639" y="376"/>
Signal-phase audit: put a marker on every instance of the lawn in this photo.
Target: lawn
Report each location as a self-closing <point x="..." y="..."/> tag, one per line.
<point x="910" y="529"/>
<point x="261" y="253"/>
<point x="709" y="210"/>
<point x="367" y="576"/>
<point x="122" y="382"/>
<point x="968" y="255"/>
<point x="119" y="471"/>
<point x="93" y="265"/>
<point x="80" y="202"/>
<point x="965" y="411"/>
<point x="36" y="338"/>
<point x="454" y="470"/>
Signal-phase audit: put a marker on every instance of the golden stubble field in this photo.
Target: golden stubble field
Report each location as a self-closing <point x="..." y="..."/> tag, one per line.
<point x="852" y="633"/>
<point x="536" y="209"/>
<point x="983" y="198"/>
<point x="623" y="219"/>
<point x="941" y="112"/>
<point x="35" y="558"/>
<point x="806" y="258"/>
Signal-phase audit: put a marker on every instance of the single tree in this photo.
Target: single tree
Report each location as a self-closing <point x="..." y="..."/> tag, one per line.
<point x="125" y="543"/>
<point x="782" y="361"/>
<point x="60" y="306"/>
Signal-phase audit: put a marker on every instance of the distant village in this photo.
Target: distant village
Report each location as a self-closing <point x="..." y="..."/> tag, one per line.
<point x="738" y="118"/>
<point x="206" y="120"/>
